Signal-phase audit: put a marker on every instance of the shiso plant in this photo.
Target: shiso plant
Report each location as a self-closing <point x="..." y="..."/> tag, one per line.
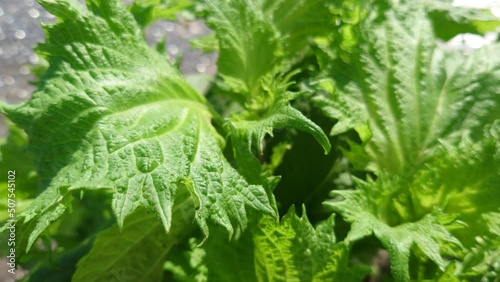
<point x="125" y="172"/>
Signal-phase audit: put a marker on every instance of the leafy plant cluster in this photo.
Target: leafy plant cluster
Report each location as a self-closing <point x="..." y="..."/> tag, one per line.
<point x="126" y="173"/>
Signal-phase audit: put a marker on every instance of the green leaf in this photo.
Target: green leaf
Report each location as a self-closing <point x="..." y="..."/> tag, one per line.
<point x="461" y="181"/>
<point x="420" y="112"/>
<point x="348" y="109"/>
<point x="412" y="94"/>
<point x="364" y="208"/>
<point x="296" y="251"/>
<point x="298" y="21"/>
<point x="244" y="57"/>
<point x="448" y="275"/>
<point x="112" y="114"/>
<point x="483" y="260"/>
<point x="292" y="250"/>
<point x="248" y="62"/>
<point x="247" y="130"/>
<point x="222" y="255"/>
<point x="186" y="263"/>
<point x="135" y="250"/>
<point x="146" y="12"/>
<point x="207" y="43"/>
<point x="15" y="157"/>
<point x="61" y="268"/>
<point x="449" y="19"/>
